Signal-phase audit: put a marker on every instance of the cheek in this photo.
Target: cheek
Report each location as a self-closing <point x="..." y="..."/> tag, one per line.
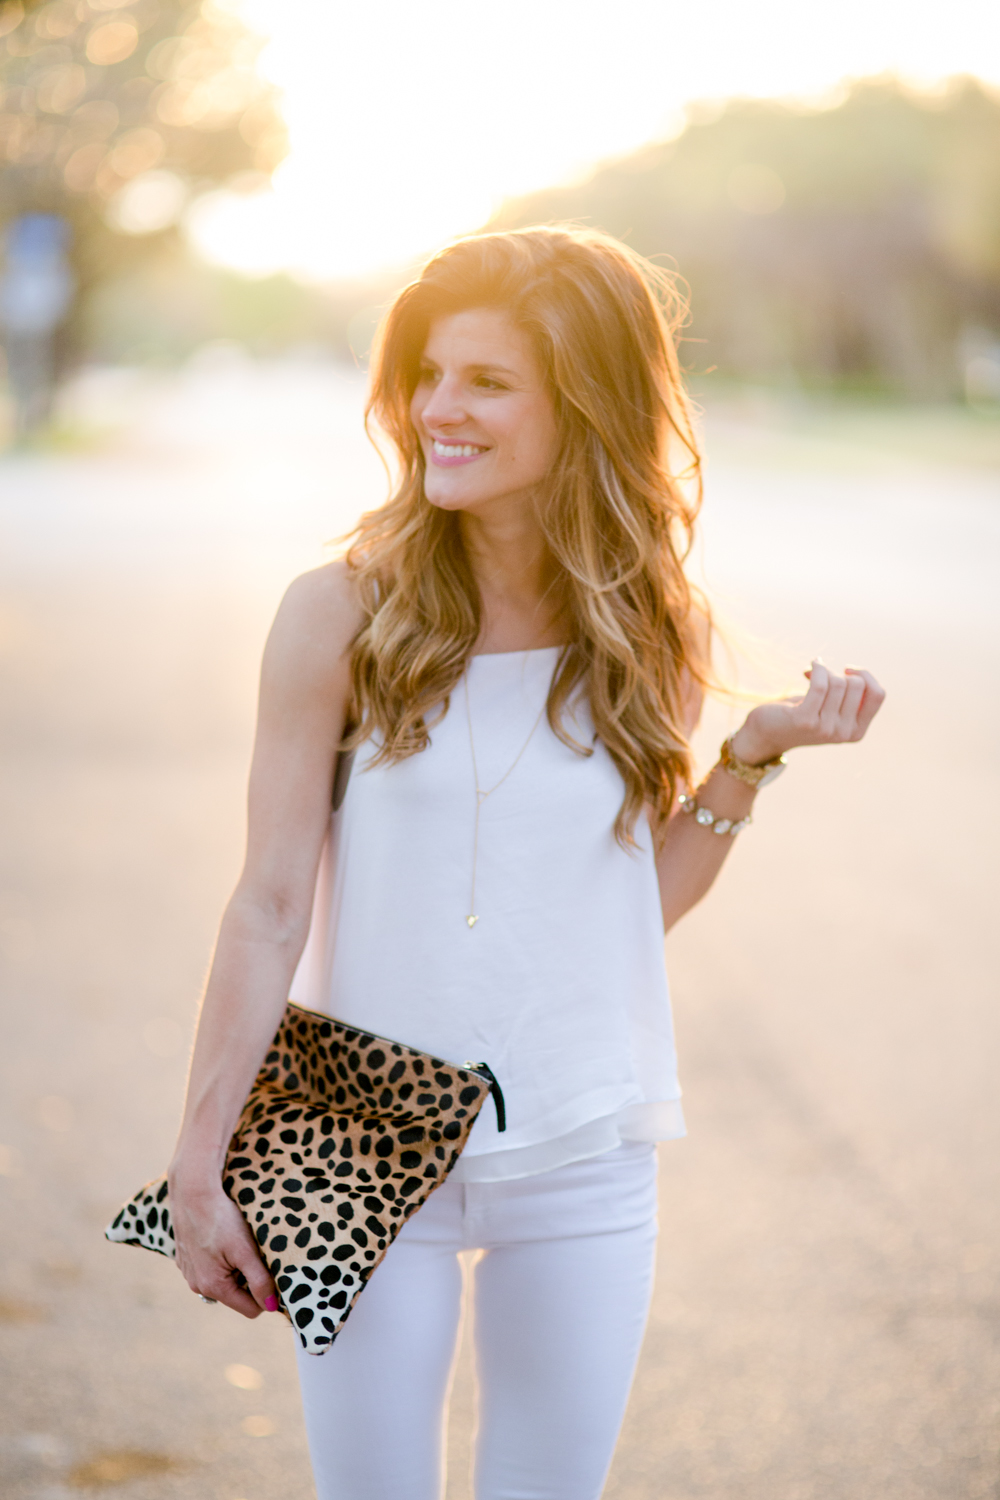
<point x="541" y="443"/>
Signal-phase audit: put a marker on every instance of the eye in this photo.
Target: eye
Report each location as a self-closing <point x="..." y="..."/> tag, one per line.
<point x="485" y="383"/>
<point x="427" y="375"/>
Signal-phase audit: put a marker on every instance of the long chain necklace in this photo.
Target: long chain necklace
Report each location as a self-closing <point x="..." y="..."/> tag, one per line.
<point x="482" y="795"/>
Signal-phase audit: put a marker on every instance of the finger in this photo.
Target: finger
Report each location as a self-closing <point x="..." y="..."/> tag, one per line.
<point x="819" y="680"/>
<point x="221" y="1273"/>
<point x="258" y="1279"/>
<point x="241" y="1258"/>
<point x="873" y="699"/>
<point x="225" y="1280"/>
<point x="854" y="693"/>
<point x="807" y="714"/>
<point x="240" y="1254"/>
<point x="829" y="717"/>
<point x="242" y="1263"/>
<point x="220" y="1287"/>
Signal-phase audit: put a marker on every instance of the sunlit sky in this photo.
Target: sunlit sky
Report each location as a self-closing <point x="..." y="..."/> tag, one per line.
<point x="410" y="119"/>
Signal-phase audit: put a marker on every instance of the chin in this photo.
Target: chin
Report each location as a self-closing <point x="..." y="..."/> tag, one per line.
<point x="448" y="499"/>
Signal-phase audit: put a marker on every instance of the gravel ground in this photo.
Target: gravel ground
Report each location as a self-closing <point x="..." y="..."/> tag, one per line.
<point x="827" y="1311"/>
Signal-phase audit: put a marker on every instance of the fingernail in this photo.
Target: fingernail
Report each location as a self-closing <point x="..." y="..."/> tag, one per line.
<point x="271" y="1303"/>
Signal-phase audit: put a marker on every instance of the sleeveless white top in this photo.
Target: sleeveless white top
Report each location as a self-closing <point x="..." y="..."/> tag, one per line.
<point x="561" y="985"/>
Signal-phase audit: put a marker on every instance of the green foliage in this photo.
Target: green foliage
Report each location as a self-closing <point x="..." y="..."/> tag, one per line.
<point x="166" y="307"/>
<point x="856" y="246"/>
<point x="162" y="311"/>
<point x="114" y="112"/>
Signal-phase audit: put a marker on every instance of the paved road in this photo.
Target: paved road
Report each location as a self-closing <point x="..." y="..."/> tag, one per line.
<point x="827" y="1308"/>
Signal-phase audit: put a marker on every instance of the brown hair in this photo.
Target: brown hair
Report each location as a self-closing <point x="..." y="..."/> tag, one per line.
<point x="617" y="510"/>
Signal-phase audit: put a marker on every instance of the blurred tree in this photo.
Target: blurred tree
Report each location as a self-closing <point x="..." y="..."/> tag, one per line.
<point x="113" y="113"/>
<point x="856" y="245"/>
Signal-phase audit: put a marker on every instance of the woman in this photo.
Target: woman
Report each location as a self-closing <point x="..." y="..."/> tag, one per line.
<point x="513" y="651"/>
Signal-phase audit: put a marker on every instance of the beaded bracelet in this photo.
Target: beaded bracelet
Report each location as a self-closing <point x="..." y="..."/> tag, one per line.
<point x="689" y="804"/>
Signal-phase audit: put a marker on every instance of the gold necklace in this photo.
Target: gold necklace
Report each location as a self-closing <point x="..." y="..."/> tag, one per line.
<point x="481" y="795"/>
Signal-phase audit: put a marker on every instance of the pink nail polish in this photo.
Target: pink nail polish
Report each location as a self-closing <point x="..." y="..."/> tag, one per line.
<point x="271" y="1303"/>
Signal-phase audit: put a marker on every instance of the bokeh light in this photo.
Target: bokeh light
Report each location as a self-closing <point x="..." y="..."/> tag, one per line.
<point x="149" y="202"/>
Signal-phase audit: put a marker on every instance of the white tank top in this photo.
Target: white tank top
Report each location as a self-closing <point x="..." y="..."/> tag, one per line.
<point x="560" y="986"/>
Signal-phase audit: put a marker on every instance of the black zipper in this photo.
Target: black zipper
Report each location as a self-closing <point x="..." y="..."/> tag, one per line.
<point x="495" y="1090"/>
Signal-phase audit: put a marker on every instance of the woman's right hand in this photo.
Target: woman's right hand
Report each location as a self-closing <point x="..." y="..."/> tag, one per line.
<point x="305" y="689"/>
<point x="213" y="1243"/>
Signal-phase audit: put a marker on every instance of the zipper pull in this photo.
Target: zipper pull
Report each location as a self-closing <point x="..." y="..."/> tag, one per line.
<point x="495" y="1090"/>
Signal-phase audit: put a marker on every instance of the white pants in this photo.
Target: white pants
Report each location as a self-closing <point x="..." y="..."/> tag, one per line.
<point x="560" y="1299"/>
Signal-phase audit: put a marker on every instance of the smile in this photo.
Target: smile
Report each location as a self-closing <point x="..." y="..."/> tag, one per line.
<point x="448" y="454"/>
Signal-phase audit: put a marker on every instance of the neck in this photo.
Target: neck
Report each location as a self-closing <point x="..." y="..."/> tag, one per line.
<point x="516" y="576"/>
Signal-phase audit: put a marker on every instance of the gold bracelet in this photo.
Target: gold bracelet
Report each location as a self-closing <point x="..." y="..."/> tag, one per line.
<point x="755" y="776"/>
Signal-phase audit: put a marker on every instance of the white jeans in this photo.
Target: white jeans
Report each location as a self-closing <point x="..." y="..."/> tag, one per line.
<point x="560" y="1298"/>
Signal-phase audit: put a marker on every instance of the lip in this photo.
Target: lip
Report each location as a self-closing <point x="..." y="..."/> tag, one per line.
<point x="454" y="461"/>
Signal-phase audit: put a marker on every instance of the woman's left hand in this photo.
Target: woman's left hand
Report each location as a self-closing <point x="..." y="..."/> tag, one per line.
<point x="834" y="711"/>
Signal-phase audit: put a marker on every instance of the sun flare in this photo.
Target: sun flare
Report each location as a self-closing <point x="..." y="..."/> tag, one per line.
<point x="408" y="124"/>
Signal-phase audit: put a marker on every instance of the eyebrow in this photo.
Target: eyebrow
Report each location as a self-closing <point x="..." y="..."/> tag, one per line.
<point x="481" y="369"/>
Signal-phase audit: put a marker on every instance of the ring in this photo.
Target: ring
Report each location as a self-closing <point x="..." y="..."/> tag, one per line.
<point x="209" y="1301"/>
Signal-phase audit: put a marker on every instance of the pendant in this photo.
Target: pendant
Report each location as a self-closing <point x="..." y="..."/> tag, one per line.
<point x="472" y="921"/>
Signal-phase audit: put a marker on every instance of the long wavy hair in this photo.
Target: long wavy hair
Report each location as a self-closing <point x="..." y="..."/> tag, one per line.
<point x="617" y="509"/>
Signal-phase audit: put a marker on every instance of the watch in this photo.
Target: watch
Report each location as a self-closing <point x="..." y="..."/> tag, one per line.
<point x="755" y="776"/>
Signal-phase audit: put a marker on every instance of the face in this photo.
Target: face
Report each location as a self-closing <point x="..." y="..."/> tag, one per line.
<point x="482" y="412"/>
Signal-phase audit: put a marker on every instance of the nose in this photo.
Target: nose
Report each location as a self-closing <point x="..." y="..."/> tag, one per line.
<point x="444" y="407"/>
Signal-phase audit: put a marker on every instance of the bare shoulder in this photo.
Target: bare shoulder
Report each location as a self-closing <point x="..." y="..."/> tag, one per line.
<point x="321" y="606"/>
<point x="310" y="640"/>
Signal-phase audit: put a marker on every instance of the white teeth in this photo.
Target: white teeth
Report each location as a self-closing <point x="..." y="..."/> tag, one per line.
<point x="452" y="450"/>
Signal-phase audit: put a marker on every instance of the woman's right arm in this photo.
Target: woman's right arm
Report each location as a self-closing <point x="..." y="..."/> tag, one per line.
<point x="304" y="693"/>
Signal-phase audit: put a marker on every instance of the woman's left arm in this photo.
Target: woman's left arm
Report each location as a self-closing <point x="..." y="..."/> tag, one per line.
<point x="834" y="711"/>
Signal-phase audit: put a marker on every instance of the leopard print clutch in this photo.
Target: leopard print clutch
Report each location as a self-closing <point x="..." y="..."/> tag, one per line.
<point x="344" y="1135"/>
